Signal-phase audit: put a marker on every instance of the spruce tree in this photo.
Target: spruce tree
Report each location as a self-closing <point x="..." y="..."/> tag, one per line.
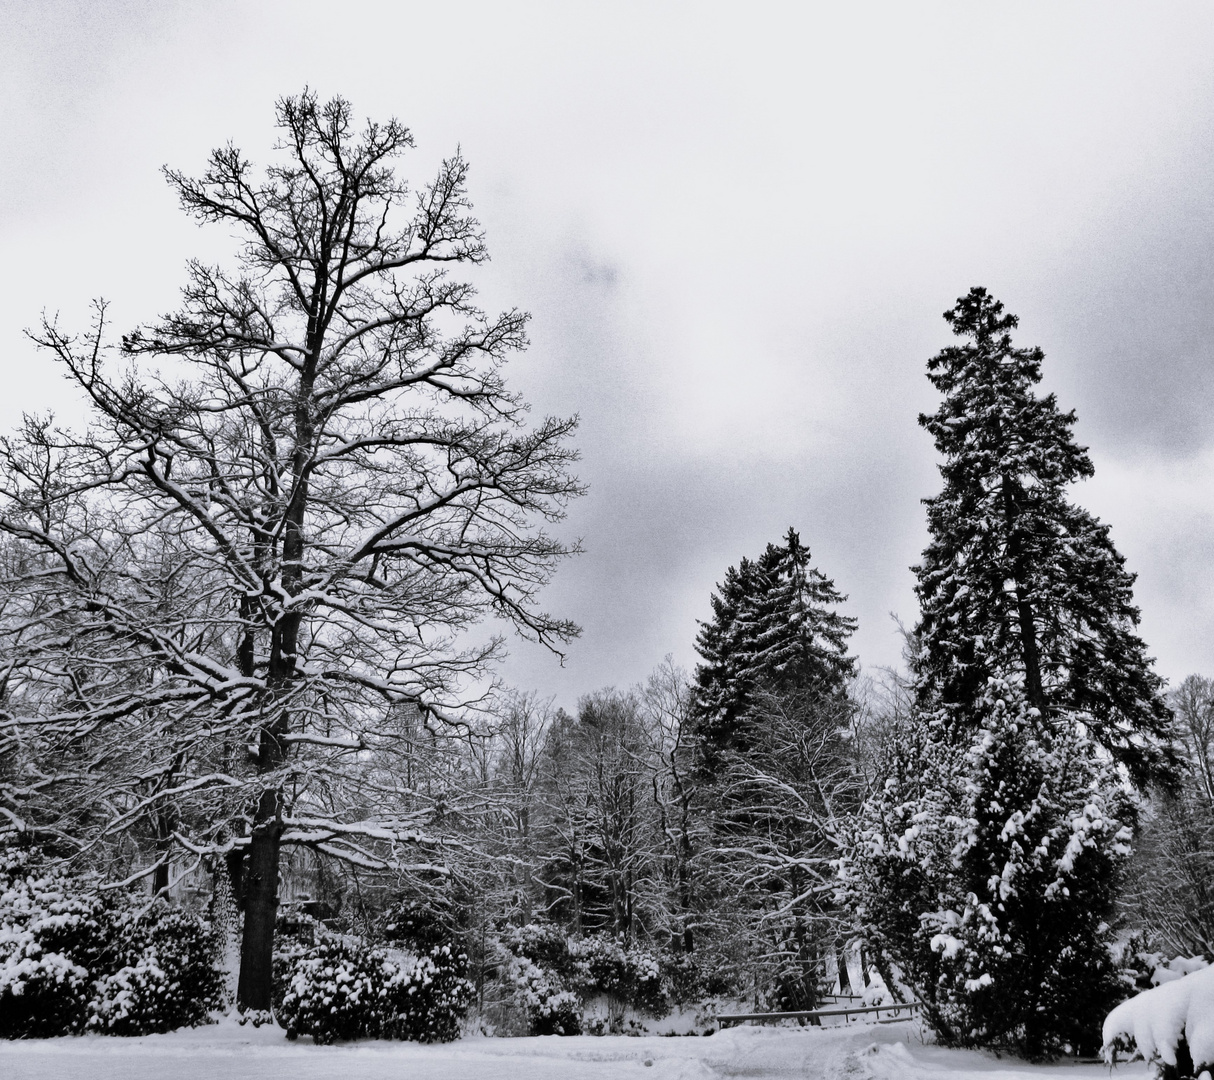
<point x="769" y="711"/>
<point x="986" y="866"/>
<point x="1018" y="582"/>
<point x="775" y="629"/>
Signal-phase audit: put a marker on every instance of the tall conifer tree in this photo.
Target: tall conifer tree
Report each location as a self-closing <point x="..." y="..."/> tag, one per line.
<point x="771" y="702"/>
<point x="984" y="869"/>
<point x="1018" y="582"/>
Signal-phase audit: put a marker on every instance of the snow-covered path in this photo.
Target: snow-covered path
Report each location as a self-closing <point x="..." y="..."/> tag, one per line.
<point x="230" y="1052"/>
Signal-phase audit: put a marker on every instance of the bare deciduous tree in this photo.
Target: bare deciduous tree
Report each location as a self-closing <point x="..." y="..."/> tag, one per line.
<point x="289" y="506"/>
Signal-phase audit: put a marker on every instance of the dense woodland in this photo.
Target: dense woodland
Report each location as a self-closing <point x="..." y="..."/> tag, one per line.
<point x="239" y="689"/>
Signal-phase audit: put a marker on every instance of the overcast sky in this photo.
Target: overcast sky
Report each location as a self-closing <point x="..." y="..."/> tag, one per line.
<point x="736" y="227"/>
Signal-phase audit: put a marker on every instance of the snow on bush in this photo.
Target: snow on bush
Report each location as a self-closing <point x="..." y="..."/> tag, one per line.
<point x="170" y="978"/>
<point x="1166" y="1022"/>
<point x="338" y="991"/>
<point x="49" y="938"/>
<point x="432" y="997"/>
<point x="550" y="1007"/>
<point x="341" y="989"/>
<point x="71" y="959"/>
<point x="554" y="977"/>
<point x="630" y="976"/>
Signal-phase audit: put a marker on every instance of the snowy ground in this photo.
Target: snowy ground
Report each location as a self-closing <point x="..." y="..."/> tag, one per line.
<point x="230" y="1052"/>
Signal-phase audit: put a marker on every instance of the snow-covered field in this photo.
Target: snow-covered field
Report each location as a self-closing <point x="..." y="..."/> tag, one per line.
<point x="230" y="1052"/>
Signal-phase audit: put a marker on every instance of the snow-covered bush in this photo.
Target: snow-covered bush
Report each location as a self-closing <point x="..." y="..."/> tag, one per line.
<point x="294" y="934"/>
<point x="551" y="1007"/>
<point x="1171" y="1025"/>
<point x="419" y="926"/>
<point x="692" y="978"/>
<point x="630" y="976"/>
<point x="1143" y="967"/>
<point x="340" y="989"/>
<point x="431" y="998"/>
<point x="70" y="958"/>
<point x="546" y="946"/>
<point x="554" y="976"/>
<point x="42" y="993"/>
<point x="170" y="978"/>
<point x="51" y="935"/>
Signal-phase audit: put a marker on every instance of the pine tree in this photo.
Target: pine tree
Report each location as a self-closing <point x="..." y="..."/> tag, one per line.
<point x="770" y="707"/>
<point x="775" y="629"/>
<point x="986" y="867"/>
<point x="1017" y="582"/>
<point x="1040" y="841"/>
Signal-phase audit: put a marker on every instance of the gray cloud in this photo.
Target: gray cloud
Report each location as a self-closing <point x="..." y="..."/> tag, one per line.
<point x="736" y="237"/>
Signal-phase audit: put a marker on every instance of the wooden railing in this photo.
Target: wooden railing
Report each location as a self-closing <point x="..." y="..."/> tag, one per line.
<point x="899" y="1011"/>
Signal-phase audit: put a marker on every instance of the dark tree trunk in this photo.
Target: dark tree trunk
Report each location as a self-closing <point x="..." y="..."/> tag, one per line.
<point x="254" y="990"/>
<point x="160" y="877"/>
<point x="234" y="862"/>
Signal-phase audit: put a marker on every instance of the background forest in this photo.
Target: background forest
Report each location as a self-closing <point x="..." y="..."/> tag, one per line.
<point x="249" y="706"/>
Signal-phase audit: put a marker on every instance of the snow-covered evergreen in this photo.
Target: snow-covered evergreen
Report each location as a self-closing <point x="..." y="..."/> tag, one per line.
<point x="1018" y="582"/>
<point x="775" y="627"/>
<point x="985" y="869"/>
<point x="769" y="714"/>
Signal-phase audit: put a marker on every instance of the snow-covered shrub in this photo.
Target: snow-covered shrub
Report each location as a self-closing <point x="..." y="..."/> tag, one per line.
<point x="431" y="998"/>
<point x="51" y="935"/>
<point x="42" y="994"/>
<point x="630" y="976"/>
<point x="1171" y="1025"/>
<point x="419" y="926"/>
<point x="295" y="932"/>
<point x="544" y="945"/>
<point x="543" y="976"/>
<point x="1142" y="967"/>
<point x="695" y="977"/>
<point x="70" y="958"/>
<point x="339" y="989"/>
<point x="550" y="1006"/>
<point x="553" y="976"/>
<point x="170" y="979"/>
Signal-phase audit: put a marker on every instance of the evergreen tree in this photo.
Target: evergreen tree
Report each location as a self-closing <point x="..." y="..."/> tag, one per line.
<point x="775" y="629"/>
<point x="770" y="709"/>
<point x="1017" y="582"/>
<point x="986" y="867"/>
<point x="984" y="876"/>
